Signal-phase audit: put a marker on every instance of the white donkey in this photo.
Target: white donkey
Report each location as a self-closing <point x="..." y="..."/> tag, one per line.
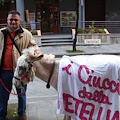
<point x="45" y="67"/>
<point x="103" y="77"/>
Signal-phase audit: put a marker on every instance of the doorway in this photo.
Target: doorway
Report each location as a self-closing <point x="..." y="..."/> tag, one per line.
<point x="94" y="10"/>
<point x="4" y="9"/>
<point x="48" y="17"/>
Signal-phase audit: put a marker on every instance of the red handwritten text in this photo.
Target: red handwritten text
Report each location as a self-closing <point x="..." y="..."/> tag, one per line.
<point x="80" y="109"/>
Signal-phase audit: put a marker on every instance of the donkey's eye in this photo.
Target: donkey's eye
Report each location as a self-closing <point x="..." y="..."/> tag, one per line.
<point x="21" y="70"/>
<point x="29" y="62"/>
<point x="20" y="67"/>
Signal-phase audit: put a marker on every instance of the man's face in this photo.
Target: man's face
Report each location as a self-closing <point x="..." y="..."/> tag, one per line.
<point x="13" y="21"/>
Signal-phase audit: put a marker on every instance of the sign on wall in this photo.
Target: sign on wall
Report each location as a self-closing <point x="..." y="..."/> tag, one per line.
<point x="67" y="18"/>
<point x="92" y="41"/>
<point x="32" y="20"/>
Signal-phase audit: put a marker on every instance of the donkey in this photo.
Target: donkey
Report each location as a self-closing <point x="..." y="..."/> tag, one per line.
<point x="45" y="67"/>
<point x="102" y="74"/>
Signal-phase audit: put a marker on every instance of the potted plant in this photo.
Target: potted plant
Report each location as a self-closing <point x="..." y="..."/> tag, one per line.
<point x="90" y="30"/>
<point x="35" y="32"/>
<point x="37" y="36"/>
<point x="92" y="35"/>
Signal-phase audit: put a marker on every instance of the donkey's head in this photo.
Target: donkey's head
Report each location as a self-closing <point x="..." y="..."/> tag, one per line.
<point x="24" y="71"/>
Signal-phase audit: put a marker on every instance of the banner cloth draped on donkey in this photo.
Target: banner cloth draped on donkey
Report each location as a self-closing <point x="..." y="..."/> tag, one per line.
<point x="88" y="87"/>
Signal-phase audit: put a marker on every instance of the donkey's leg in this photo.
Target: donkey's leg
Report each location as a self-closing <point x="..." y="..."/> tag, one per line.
<point x="66" y="117"/>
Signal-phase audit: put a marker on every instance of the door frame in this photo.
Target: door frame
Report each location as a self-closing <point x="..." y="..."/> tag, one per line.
<point x="40" y="6"/>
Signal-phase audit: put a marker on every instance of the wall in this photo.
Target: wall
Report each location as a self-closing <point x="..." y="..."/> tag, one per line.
<point x="64" y="5"/>
<point x="30" y="5"/>
<point x="112" y="10"/>
<point x="95" y="10"/>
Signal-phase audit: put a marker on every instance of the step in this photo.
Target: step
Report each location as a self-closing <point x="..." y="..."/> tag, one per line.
<point x="56" y="44"/>
<point x="56" y="40"/>
<point x="55" y="36"/>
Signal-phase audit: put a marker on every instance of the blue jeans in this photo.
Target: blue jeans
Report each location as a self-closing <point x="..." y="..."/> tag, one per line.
<point x="6" y="77"/>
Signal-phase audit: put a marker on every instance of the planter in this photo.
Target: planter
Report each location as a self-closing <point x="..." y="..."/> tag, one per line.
<point x="37" y="37"/>
<point x="93" y="38"/>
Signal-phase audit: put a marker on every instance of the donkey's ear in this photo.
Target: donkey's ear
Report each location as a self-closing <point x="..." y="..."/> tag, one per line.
<point x="35" y="57"/>
<point x="39" y="57"/>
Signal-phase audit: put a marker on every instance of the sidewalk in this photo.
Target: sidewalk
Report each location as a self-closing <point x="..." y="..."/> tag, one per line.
<point x="88" y="50"/>
<point x="42" y="102"/>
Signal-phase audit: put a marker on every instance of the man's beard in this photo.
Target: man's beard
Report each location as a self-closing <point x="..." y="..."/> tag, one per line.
<point x="13" y="27"/>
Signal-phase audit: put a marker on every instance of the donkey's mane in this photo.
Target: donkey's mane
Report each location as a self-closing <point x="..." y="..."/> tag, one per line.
<point x="30" y="51"/>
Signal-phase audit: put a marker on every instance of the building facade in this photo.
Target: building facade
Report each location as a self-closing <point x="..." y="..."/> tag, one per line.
<point x="58" y="16"/>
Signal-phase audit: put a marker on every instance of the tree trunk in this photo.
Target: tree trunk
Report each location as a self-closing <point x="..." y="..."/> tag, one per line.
<point x="76" y="28"/>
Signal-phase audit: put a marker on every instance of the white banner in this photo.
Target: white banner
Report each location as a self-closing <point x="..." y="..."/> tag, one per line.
<point x="89" y="87"/>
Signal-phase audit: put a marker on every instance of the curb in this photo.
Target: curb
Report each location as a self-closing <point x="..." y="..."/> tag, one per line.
<point x="74" y="54"/>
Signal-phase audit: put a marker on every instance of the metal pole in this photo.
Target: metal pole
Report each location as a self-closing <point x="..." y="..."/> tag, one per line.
<point x="20" y="8"/>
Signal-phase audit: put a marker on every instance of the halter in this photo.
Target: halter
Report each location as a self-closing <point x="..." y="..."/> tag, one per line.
<point x="25" y="75"/>
<point x="51" y="73"/>
<point x="9" y="90"/>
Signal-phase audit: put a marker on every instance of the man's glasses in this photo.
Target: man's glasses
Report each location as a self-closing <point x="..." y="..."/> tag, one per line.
<point x="13" y="20"/>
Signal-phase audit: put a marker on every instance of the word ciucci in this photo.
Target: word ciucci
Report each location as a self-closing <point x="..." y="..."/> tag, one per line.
<point x="95" y="81"/>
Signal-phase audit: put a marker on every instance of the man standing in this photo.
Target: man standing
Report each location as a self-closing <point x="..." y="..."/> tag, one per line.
<point x="8" y="58"/>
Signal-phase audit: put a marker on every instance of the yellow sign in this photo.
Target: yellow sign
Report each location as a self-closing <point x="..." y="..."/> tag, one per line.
<point x="92" y="41"/>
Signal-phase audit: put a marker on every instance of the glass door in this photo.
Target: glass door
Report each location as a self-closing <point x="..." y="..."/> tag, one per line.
<point x="53" y="18"/>
<point x="48" y="16"/>
<point x="44" y="18"/>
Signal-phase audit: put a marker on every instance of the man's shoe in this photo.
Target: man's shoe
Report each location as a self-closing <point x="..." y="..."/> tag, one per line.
<point x="23" y="117"/>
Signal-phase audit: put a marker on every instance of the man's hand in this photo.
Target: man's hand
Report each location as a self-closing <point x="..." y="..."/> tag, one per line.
<point x="37" y="52"/>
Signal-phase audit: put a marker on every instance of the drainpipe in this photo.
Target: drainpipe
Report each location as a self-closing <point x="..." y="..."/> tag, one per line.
<point x="81" y="13"/>
<point x="20" y="8"/>
<point x="79" y="20"/>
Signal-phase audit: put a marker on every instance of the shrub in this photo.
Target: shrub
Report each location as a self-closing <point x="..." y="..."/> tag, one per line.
<point x="86" y="30"/>
<point x="80" y="30"/>
<point x="91" y="29"/>
<point x="101" y="30"/>
<point x="34" y="32"/>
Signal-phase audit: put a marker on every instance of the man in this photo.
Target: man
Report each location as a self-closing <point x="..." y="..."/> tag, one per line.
<point x="8" y="58"/>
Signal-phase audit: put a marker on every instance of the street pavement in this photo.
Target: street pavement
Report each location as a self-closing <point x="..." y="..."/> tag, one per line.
<point x="87" y="49"/>
<point x="42" y="102"/>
